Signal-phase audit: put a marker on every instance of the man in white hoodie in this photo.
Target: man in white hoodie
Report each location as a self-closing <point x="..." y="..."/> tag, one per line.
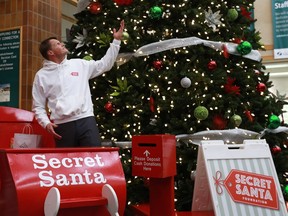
<point x="63" y="85"/>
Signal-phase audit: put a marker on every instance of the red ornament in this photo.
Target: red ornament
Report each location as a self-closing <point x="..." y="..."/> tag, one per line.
<point x="109" y="107"/>
<point x="95" y="7"/>
<point x="249" y="115"/>
<point x="152" y="106"/>
<point x="225" y="51"/>
<point x="276" y="149"/>
<point x="261" y="87"/>
<point x="219" y="122"/>
<point x="212" y="65"/>
<point x="158" y="64"/>
<point x="123" y="2"/>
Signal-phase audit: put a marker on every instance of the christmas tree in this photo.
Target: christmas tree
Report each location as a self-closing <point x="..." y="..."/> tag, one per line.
<point x="184" y="67"/>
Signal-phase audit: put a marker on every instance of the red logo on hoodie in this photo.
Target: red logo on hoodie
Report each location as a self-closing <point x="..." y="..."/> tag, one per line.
<point x="74" y="74"/>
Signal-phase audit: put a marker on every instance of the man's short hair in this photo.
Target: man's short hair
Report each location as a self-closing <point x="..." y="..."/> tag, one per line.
<point x="45" y="46"/>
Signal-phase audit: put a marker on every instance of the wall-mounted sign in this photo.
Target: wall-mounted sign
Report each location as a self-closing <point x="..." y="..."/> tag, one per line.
<point x="10" y="67"/>
<point x="280" y="28"/>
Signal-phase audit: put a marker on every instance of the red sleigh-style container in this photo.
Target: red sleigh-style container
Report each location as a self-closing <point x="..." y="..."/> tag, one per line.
<point x="79" y="174"/>
<point x="13" y="120"/>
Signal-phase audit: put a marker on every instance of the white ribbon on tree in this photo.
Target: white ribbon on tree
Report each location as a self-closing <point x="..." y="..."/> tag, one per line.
<point x="229" y="136"/>
<point x="280" y="129"/>
<point x="161" y="46"/>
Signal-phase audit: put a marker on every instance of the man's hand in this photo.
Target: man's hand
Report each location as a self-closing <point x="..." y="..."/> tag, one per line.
<point x="118" y="34"/>
<point x="50" y="128"/>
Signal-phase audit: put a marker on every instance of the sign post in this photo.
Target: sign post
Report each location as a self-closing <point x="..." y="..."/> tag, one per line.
<point x="154" y="156"/>
<point x="237" y="180"/>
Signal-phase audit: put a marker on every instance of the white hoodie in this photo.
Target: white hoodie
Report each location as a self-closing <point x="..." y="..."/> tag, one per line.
<point x="65" y="87"/>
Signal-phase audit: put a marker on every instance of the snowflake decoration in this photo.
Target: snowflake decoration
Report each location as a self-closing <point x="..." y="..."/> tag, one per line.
<point x="82" y="5"/>
<point x="80" y="39"/>
<point x="279" y="96"/>
<point x="213" y="19"/>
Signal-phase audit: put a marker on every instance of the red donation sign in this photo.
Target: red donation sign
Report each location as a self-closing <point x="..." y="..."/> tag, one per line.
<point x="252" y="189"/>
<point x="154" y="156"/>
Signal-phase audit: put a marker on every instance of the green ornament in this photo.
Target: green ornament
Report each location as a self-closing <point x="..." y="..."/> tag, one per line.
<point x="286" y="189"/>
<point x="88" y="58"/>
<point x="244" y="48"/>
<point x="155" y="12"/>
<point x="232" y="15"/>
<point x="125" y="36"/>
<point x="201" y="113"/>
<point x="236" y="120"/>
<point x="274" y="122"/>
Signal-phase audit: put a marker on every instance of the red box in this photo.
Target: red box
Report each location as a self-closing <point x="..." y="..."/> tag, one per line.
<point x="154" y="156"/>
<point x="27" y="175"/>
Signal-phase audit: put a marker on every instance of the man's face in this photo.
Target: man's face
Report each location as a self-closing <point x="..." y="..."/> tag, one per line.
<point x="58" y="48"/>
